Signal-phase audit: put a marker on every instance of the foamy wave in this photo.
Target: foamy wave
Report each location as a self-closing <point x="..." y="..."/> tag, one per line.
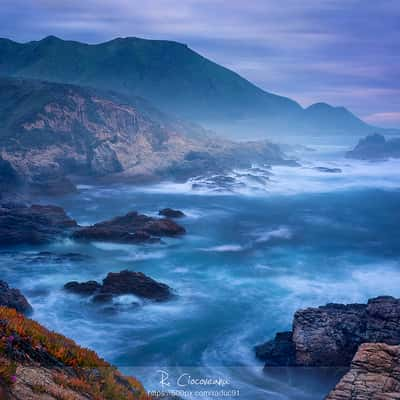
<point x="282" y="232"/>
<point x="224" y="248"/>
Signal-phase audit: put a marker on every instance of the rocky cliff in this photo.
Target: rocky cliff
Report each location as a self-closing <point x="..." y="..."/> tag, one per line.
<point x="49" y="131"/>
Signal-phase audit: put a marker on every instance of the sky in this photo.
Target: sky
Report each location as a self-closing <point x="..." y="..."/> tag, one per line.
<point x="343" y="52"/>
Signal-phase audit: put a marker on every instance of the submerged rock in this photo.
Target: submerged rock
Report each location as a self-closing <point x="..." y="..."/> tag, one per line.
<point x="13" y="298"/>
<point x="374" y="374"/>
<point x="131" y="228"/>
<point x="37" y="224"/>
<point x="171" y="213"/>
<point x="329" y="170"/>
<point x="122" y="283"/>
<point x="85" y="288"/>
<point x="330" y="335"/>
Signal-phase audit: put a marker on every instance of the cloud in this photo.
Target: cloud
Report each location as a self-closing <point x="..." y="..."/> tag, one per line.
<point x="388" y="119"/>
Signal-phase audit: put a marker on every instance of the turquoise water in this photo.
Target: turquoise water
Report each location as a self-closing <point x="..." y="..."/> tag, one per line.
<point x="255" y="252"/>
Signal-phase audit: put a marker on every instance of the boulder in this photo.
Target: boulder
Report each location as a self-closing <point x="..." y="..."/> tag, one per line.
<point x="131" y="228"/>
<point x="122" y="283"/>
<point x="13" y="298"/>
<point x="330" y="335"/>
<point x="85" y="288"/>
<point x="37" y="224"/>
<point x="374" y="374"/>
<point x="171" y="213"/>
<point x="135" y="283"/>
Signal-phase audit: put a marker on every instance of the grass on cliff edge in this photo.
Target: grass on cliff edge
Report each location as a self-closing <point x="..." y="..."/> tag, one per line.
<point x="91" y="375"/>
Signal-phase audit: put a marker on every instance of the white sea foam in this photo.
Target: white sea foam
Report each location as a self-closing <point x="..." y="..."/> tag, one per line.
<point x="224" y="248"/>
<point x="282" y="232"/>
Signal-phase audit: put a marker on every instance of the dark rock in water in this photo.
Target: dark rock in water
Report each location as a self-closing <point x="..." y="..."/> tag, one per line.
<point x="130" y="228"/>
<point x="171" y="213"/>
<point x="330" y="335"/>
<point x="375" y="147"/>
<point x="85" y="288"/>
<point x="278" y="352"/>
<point x="51" y="186"/>
<point x="374" y="374"/>
<point x="36" y="224"/>
<point x="329" y="170"/>
<point x="135" y="283"/>
<point x="13" y="298"/>
<point x="122" y="283"/>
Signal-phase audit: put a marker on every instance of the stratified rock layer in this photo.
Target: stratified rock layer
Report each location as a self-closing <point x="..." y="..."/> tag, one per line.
<point x="374" y="375"/>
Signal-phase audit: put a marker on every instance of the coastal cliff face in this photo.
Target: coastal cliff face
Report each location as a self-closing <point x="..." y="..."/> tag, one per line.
<point x="36" y="364"/>
<point x="50" y="130"/>
<point x="374" y="375"/>
<point x="330" y="335"/>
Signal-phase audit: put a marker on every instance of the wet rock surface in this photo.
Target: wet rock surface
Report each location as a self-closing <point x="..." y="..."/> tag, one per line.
<point x="171" y="213"/>
<point x="36" y="224"/>
<point x="13" y="298"/>
<point x="122" y="283"/>
<point x="131" y="228"/>
<point x="330" y="335"/>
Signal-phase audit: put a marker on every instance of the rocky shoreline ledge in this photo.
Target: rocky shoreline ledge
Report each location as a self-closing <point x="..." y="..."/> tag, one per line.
<point x="41" y="224"/>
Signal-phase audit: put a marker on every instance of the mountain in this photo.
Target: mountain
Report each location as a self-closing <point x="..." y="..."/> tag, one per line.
<point x="49" y="131"/>
<point x="176" y="80"/>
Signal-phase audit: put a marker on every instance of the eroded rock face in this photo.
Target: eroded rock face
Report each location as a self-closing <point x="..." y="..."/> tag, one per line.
<point x="13" y="298"/>
<point x="330" y="335"/>
<point x="122" y="283"/>
<point x="37" y="224"/>
<point x="130" y="228"/>
<point x="374" y="374"/>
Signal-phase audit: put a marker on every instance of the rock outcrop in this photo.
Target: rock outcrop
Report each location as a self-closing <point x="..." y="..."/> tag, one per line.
<point x="171" y="213"/>
<point x="36" y="224"/>
<point x="13" y="298"/>
<point x="330" y="335"/>
<point x="131" y="228"/>
<point x="375" y="147"/>
<point x="374" y="375"/>
<point x="122" y="283"/>
<point x="36" y="364"/>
